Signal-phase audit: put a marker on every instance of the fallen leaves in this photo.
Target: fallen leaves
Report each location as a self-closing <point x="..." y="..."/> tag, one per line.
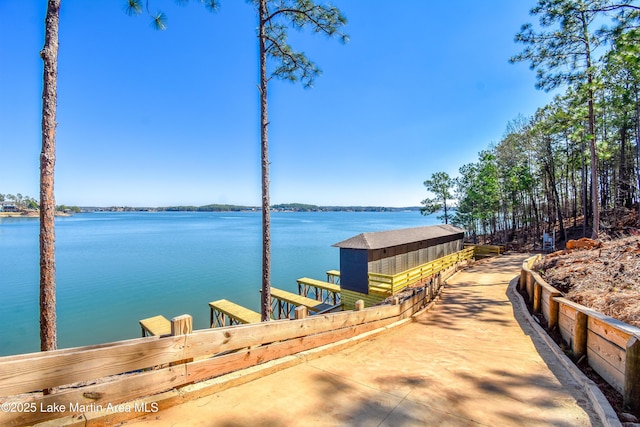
<point x="604" y="276"/>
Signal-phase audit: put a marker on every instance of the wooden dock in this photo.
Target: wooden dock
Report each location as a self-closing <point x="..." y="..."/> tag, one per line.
<point x="333" y="276"/>
<point x="285" y="302"/>
<point x="322" y="291"/>
<point x="223" y="310"/>
<point x="155" y="326"/>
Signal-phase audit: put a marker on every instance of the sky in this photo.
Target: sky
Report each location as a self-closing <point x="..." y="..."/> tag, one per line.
<point x="162" y="118"/>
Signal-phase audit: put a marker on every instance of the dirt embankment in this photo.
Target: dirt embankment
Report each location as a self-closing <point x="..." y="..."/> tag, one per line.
<point x="604" y="276"/>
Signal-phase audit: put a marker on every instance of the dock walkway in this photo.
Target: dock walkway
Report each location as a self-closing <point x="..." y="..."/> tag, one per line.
<point x="284" y="302"/>
<point x="224" y="312"/>
<point x="156" y="325"/>
<point x="473" y="360"/>
<point x="323" y="291"/>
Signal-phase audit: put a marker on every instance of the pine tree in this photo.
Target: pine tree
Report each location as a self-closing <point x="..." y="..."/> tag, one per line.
<point x="563" y="53"/>
<point x="274" y="19"/>
<point x="441" y="185"/>
<point x="49" y="54"/>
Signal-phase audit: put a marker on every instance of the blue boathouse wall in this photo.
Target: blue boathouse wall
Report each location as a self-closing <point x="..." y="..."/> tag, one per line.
<point x="354" y="274"/>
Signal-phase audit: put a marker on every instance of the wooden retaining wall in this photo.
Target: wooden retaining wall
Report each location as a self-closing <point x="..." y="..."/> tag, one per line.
<point x="90" y="381"/>
<point x="611" y="347"/>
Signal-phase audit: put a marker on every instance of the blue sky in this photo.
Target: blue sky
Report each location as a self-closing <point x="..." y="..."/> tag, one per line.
<point x="151" y="118"/>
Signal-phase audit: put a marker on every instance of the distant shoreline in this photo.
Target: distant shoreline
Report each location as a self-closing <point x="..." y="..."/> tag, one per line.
<point x="27" y="214"/>
<point x="19" y="214"/>
<point x="289" y="207"/>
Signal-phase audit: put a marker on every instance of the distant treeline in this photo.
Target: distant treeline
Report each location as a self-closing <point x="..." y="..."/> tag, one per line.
<point x="289" y="207"/>
<point x="300" y="207"/>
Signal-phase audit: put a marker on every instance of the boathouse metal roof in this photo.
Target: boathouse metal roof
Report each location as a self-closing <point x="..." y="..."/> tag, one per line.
<point x="386" y="239"/>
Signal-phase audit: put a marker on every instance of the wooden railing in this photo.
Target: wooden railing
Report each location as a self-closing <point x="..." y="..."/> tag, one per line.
<point x="390" y="284"/>
<point x="110" y="381"/>
<point x="611" y="347"/>
<point x="482" y="251"/>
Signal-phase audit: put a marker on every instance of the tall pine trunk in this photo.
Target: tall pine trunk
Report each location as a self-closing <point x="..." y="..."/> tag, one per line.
<point x="49" y="54"/>
<point x="638" y="142"/>
<point x="592" y="132"/>
<point x="264" y="151"/>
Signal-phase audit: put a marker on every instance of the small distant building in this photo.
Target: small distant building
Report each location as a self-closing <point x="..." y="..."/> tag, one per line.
<point x="8" y="207"/>
<point x="391" y="252"/>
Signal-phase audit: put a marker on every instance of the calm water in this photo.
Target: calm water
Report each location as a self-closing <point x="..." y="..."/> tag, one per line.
<point x="116" y="268"/>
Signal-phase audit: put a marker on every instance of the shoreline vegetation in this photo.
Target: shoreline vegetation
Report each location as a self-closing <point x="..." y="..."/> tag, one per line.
<point x="286" y="207"/>
<point x="29" y="214"/>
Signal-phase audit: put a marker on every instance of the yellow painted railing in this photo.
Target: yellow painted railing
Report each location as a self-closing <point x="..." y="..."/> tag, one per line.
<point x="481" y="251"/>
<point x="387" y="284"/>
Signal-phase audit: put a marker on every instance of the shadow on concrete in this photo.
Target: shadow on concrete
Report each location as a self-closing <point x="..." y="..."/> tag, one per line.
<point x="453" y="366"/>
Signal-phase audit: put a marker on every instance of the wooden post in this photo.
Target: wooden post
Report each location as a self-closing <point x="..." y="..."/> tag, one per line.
<point x="537" y="297"/>
<point x="580" y="335"/>
<point x="301" y="312"/>
<point x="523" y="279"/>
<point x="554" y="310"/>
<point x="359" y="305"/>
<point x="632" y="374"/>
<point x="396" y="301"/>
<point x="181" y="325"/>
<point x="529" y="283"/>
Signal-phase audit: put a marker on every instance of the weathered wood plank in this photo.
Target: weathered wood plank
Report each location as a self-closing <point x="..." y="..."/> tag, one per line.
<point x="610" y="329"/>
<point x="62" y="351"/>
<point x="608" y="351"/>
<point x="218" y="340"/>
<point x="205" y="369"/>
<point x="566" y="325"/>
<point x="604" y="369"/>
<point x="632" y="374"/>
<point x="550" y="307"/>
<point x="53" y="369"/>
<point x="114" y="390"/>
<point x="567" y="309"/>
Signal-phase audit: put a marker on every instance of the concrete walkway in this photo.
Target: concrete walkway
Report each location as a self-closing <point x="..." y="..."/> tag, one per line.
<point x="470" y="361"/>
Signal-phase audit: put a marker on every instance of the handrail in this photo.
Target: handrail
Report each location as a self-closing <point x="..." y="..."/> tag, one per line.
<point x="154" y="365"/>
<point x="486" y="250"/>
<point x="389" y="284"/>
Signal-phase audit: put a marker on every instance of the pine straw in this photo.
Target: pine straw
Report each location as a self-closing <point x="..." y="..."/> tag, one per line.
<point x="605" y="279"/>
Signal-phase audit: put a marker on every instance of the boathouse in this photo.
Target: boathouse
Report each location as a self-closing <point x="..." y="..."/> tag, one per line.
<point x="388" y="253"/>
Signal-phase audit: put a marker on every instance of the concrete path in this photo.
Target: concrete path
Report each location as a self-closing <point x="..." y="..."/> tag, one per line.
<point x="470" y="361"/>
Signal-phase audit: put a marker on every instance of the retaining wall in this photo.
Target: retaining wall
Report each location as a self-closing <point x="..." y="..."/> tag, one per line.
<point x="611" y="347"/>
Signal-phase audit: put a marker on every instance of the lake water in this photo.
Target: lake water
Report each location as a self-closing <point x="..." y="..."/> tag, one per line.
<point x="114" y="269"/>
